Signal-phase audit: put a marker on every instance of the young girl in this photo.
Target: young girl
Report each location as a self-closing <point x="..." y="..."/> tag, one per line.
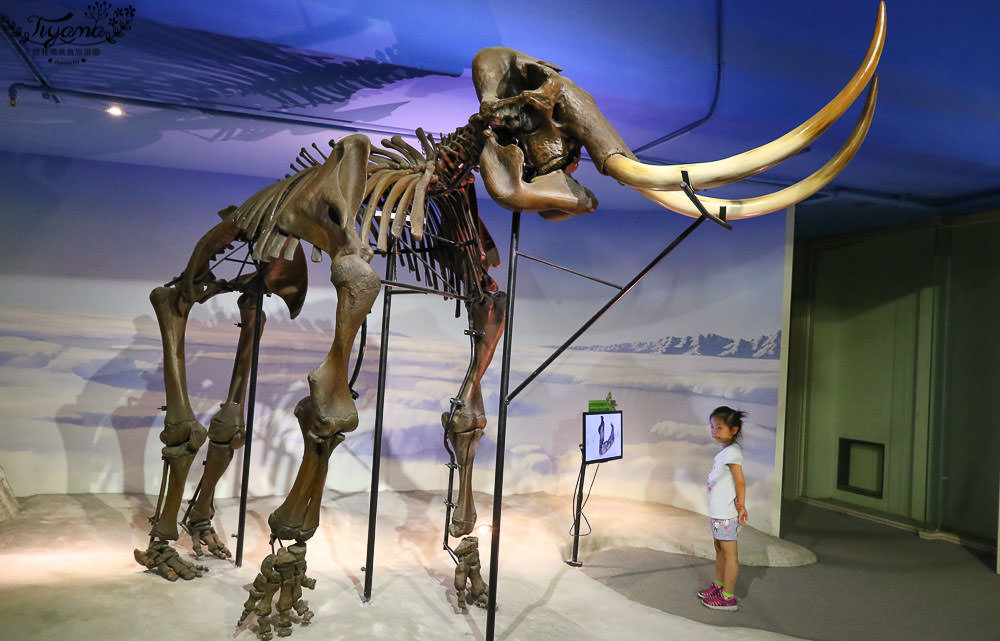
<point x="727" y="510"/>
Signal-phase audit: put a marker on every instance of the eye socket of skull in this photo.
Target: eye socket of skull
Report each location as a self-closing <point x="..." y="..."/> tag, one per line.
<point x="505" y="135"/>
<point x="535" y="76"/>
<point x="536" y="128"/>
<point x="528" y="119"/>
<point x="526" y="77"/>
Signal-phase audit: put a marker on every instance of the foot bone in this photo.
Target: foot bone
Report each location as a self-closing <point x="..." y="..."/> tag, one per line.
<point x="203" y="534"/>
<point x="165" y="561"/>
<point x="282" y="575"/>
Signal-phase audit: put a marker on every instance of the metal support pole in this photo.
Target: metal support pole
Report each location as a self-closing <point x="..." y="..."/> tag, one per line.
<point x="578" y="515"/>
<point x="593" y="319"/>
<point x="506" y="398"/>
<point x="251" y="401"/>
<point x="417" y="289"/>
<point x="383" y="357"/>
<point x="491" y="604"/>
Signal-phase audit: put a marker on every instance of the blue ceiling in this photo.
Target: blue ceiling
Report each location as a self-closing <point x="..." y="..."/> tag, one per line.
<point x="239" y="87"/>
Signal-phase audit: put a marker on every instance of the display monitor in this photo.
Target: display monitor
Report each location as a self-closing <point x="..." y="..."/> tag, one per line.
<point x="602" y="436"/>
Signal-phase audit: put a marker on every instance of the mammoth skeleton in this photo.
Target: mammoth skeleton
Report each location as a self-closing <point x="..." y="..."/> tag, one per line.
<point x="526" y="141"/>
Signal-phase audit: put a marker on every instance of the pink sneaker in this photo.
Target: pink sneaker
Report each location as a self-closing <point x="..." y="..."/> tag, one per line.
<point x="710" y="591"/>
<point x="720" y="602"/>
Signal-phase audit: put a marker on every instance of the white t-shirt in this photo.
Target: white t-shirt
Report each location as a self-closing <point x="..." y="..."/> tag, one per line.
<point x="721" y="487"/>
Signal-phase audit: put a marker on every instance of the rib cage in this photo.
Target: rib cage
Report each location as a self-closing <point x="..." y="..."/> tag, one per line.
<point x="258" y="216"/>
<point x="453" y="254"/>
<point x="445" y="244"/>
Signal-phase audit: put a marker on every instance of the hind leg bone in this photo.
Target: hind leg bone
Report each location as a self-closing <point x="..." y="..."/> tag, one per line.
<point x="182" y="435"/>
<point x="226" y="433"/>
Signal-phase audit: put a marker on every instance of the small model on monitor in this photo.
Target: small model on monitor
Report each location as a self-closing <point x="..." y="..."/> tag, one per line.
<point x="602" y="436"/>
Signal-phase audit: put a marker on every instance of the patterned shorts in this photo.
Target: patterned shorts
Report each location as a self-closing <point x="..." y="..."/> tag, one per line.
<point x="725" y="529"/>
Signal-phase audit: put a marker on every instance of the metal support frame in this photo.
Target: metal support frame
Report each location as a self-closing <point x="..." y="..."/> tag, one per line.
<point x="491" y="603"/>
<point x="578" y="512"/>
<point x="251" y="400"/>
<point x="416" y="289"/>
<point x="392" y="287"/>
<point x="383" y="359"/>
<point x="390" y="290"/>
<point x="506" y="398"/>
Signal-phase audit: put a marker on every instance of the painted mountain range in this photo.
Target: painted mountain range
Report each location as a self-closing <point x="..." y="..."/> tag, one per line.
<point x="768" y="347"/>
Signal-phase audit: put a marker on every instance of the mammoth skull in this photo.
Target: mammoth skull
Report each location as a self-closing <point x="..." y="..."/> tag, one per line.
<point x="539" y="120"/>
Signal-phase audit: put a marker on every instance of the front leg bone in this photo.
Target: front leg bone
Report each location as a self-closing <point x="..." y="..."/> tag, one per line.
<point x="329" y="411"/>
<point x="464" y="425"/>
<point x="298" y="516"/>
<point x="464" y="444"/>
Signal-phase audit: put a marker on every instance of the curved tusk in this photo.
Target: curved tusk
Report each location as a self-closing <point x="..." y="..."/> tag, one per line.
<point x="706" y="175"/>
<point x="750" y="207"/>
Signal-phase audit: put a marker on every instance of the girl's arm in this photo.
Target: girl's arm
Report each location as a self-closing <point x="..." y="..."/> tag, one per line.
<point x="741" y="493"/>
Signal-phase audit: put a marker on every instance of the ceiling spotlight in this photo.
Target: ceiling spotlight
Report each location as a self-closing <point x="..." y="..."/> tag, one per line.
<point x="484" y="529"/>
<point x="115" y="110"/>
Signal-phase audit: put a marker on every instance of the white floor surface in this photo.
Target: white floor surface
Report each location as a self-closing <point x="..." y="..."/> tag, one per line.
<point x="67" y="572"/>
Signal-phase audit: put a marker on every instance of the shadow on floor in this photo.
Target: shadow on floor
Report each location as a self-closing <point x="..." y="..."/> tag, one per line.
<point x="871" y="583"/>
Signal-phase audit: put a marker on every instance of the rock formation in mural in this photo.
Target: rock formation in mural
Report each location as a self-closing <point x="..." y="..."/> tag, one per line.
<point x="525" y="141"/>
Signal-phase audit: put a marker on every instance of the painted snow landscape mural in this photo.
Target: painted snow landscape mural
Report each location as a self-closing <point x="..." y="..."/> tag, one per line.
<point x="80" y="360"/>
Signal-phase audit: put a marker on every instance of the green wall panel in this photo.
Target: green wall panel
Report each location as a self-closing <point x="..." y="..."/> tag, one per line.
<point x="971" y="407"/>
<point x="897" y="339"/>
<point x="869" y="313"/>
